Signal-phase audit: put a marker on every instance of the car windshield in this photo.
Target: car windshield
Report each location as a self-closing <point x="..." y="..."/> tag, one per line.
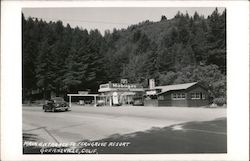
<point x="58" y="100"/>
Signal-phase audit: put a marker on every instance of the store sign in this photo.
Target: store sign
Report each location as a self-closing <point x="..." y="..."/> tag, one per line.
<point x="150" y="92"/>
<point x="124" y="81"/>
<point x="119" y="85"/>
<point x="104" y="86"/>
<point x="83" y="92"/>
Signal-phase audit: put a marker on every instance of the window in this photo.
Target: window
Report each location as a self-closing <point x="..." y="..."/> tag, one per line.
<point x="196" y="95"/>
<point x="161" y="98"/>
<point x="203" y="96"/>
<point x="178" y="96"/>
<point x="193" y="96"/>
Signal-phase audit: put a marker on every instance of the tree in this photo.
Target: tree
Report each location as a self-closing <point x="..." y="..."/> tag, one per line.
<point x="45" y="69"/>
<point x="196" y="16"/>
<point x="178" y="50"/>
<point x="30" y="40"/>
<point x="143" y="44"/>
<point x="94" y="59"/>
<point x="217" y="39"/>
<point x="168" y="78"/>
<point x="74" y="71"/>
<point x="210" y="76"/>
<point x="151" y="64"/>
<point x="163" y="17"/>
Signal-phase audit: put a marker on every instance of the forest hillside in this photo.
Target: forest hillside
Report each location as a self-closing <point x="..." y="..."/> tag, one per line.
<point x="186" y="48"/>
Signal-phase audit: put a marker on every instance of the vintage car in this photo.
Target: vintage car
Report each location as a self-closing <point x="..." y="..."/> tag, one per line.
<point x="138" y="101"/>
<point x="56" y="104"/>
<point x="100" y="103"/>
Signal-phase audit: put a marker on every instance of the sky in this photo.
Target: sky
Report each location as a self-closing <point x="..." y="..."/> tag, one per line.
<point x="104" y="18"/>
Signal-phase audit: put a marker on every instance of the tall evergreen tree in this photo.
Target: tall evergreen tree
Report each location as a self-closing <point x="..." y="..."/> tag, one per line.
<point x="177" y="50"/>
<point x="45" y="69"/>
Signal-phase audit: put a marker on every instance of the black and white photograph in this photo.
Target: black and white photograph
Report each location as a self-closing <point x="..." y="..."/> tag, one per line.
<point x="113" y="80"/>
<point x="124" y="80"/>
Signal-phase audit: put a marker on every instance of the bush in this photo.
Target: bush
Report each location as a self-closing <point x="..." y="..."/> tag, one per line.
<point x="220" y="101"/>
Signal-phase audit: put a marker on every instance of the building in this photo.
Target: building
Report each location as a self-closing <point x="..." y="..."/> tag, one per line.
<point x="119" y="93"/>
<point x="82" y="95"/>
<point x="180" y="95"/>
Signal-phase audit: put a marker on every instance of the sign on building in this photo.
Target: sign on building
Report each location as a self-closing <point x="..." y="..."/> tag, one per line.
<point x="83" y="92"/>
<point x="151" y="92"/>
<point x="124" y="81"/>
<point x="119" y="85"/>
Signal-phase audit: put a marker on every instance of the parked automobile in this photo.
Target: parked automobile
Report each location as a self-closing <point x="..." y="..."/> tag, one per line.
<point x="138" y="101"/>
<point x="100" y="103"/>
<point x="88" y="102"/>
<point x="56" y="104"/>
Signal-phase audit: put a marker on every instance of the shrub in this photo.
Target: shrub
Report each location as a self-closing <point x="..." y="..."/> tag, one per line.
<point x="220" y="101"/>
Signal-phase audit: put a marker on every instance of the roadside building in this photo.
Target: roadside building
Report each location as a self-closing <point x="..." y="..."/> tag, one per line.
<point x="119" y="93"/>
<point x="84" y="97"/>
<point x="180" y="95"/>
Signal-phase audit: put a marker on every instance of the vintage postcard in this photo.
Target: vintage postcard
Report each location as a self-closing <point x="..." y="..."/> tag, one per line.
<point x="140" y="80"/>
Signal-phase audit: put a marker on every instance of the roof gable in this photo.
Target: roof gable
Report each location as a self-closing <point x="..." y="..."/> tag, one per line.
<point x="175" y="87"/>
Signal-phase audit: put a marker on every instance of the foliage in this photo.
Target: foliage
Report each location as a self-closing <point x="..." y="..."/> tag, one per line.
<point x="210" y="76"/>
<point x="183" y="49"/>
<point x="219" y="101"/>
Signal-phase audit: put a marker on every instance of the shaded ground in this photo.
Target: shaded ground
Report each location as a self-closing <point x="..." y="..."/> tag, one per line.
<point x="191" y="137"/>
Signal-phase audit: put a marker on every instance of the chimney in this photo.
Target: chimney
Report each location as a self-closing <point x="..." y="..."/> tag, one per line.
<point x="151" y="83"/>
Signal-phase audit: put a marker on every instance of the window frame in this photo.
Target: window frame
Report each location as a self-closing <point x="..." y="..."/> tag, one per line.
<point x="203" y="96"/>
<point x="196" y="95"/>
<point x="161" y="98"/>
<point x="178" y="96"/>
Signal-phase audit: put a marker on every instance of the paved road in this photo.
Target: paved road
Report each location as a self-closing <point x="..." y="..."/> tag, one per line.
<point x="94" y="123"/>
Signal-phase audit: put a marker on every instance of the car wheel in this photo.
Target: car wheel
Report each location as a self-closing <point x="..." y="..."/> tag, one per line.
<point x="66" y="109"/>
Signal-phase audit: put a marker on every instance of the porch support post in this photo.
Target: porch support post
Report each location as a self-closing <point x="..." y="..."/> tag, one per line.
<point x="95" y="101"/>
<point x="69" y="100"/>
<point x="110" y="101"/>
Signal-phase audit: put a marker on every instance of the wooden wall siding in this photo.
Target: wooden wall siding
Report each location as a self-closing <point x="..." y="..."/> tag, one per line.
<point x="179" y="103"/>
<point x="188" y="102"/>
<point x="165" y="103"/>
<point x="151" y="102"/>
<point x="196" y="89"/>
<point x="197" y="103"/>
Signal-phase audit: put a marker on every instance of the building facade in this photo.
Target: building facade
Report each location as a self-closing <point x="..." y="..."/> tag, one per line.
<point x="180" y="95"/>
<point x="119" y="93"/>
